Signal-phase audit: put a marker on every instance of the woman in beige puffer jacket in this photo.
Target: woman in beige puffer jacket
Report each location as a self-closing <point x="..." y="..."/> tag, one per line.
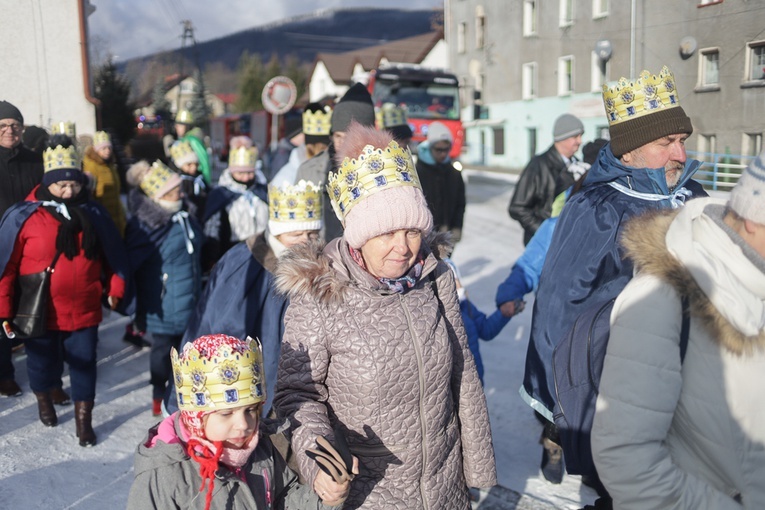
<point x="383" y="358"/>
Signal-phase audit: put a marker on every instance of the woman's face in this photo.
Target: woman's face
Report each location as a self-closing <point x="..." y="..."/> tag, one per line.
<point x="391" y="255"/>
<point x="65" y="189"/>
<point x="105" y="152"/>
<point x="290" y="239"/>
<point x="235" y="427"/>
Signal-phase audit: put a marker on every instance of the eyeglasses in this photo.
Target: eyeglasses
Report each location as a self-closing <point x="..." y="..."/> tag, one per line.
<point x="15" y="127"/>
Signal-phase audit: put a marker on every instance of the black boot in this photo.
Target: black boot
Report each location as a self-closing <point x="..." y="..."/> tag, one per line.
<point x="45" y="409"/>
<point x="83" y="421"/>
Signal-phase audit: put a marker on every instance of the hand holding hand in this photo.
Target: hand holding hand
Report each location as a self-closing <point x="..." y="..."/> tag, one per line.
<point x="333" y="481"/>
<point x="511" y="308"/>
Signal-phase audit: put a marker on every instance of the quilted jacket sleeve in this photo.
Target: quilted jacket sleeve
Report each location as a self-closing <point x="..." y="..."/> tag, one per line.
<point x="301" y="393"/>
<point x="477" y="449"/>
<point x="639" y="390"/>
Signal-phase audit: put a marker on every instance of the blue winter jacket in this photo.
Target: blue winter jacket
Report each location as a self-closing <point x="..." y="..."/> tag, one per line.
<point x="585" y="265"/>
<point x="240" y="300"/>
<point x="478" y="325"/>
<point x="168" y="278"/>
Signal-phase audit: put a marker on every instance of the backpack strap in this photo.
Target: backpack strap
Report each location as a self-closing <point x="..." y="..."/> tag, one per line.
<point x="685" y="328"/>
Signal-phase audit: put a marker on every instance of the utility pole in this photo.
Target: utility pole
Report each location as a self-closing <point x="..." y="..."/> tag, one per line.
<point x="188" y="34"/>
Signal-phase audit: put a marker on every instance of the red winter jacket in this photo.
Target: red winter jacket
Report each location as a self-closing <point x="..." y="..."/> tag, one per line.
<point x="75" y="285"/>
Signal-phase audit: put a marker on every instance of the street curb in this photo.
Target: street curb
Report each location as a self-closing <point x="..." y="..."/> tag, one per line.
<point x="502" y="498"/>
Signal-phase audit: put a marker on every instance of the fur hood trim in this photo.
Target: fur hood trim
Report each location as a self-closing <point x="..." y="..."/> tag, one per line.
<point x="644" y="243"/>
<point x="306" y="270"/>
<point x="148" y="211"/>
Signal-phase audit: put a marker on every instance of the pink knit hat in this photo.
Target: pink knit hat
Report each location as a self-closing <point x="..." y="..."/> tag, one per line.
<point x="392" y="206"/>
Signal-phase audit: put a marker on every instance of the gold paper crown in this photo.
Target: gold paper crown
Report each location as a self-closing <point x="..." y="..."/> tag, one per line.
<point x="243" y="157"/>
<point x="317" y="123"/>
<point x="156" y="178"/>
<point x="223" y="378"/>
<point x="184" y="117"/>
<point x="628" y="100"/>
<point x="64" y="128"/>
<point x="391" y="115"/>
<point x="301" y="202"/>
<point x="372" y="171"/>
<point x="61" y="158"/>
<point x="101" y="138"/>
<point x="181" y="149"/>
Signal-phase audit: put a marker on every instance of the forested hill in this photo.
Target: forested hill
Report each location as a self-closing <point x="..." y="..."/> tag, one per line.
<point x="332" y="31"/>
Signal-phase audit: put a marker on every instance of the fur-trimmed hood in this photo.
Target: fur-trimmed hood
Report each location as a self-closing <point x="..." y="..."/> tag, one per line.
<point x="322" y="271"/>
<point x="681" y="246"/>
<point x="148" y="211"/>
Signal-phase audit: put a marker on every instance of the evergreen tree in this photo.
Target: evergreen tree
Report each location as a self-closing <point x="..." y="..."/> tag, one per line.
<point x="161" y="105"/>
<point x="198" y="106"/>
<point x="296" y="72"/>
<point x="251" y="78"/>
<point x="113" y="91"/>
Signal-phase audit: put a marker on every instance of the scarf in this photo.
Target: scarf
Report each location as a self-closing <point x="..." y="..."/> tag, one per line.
<point x="402" y="284"/>
<point x="73" y="220"/>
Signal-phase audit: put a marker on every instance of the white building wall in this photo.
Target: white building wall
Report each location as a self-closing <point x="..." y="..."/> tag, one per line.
<point x="321" y="84"/>
<point x="438" y="57"/>
<point x="42" y="64"/>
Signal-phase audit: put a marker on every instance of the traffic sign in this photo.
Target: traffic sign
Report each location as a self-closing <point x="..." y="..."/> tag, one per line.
<point x="279" y="95"/>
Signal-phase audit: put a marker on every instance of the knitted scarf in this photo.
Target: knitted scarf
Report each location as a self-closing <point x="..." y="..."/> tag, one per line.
<point x="69" y="228"/>
<point x="402" y="284"/>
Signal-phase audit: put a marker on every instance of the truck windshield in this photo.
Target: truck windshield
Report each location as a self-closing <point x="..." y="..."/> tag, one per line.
<point x="420" y="100"/>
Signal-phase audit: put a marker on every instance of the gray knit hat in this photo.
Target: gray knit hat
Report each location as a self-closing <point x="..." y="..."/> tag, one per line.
<point x="567" y="126"/>
<point x="356" y="105"/>
<point x="747" y="199"/>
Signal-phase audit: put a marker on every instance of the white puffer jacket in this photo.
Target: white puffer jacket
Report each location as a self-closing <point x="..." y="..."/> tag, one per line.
<point x="691" y="434"/>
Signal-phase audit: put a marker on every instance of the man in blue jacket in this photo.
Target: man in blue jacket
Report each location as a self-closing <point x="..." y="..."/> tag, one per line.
<point x="644" y="167"/>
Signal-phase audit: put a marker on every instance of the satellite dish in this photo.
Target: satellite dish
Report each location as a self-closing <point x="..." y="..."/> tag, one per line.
<point x="603" y="50"/>
<point x="688" y="47"/>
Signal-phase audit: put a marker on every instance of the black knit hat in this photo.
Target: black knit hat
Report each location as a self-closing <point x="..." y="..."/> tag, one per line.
<point x="8" y="111"/>
<point x="356" y="105"/>
<point x="590" y="150"/>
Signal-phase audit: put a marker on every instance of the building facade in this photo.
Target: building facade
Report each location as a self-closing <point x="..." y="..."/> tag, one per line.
<point x="524" y="62"/>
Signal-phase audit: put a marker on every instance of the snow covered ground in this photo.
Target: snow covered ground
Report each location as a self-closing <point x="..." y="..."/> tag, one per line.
<point x="45" y="468"/>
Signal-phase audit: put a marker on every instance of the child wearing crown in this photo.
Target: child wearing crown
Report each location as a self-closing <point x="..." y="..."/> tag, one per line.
<point x="215" y="453"/>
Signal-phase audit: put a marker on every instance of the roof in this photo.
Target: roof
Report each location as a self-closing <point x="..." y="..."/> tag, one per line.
<point x="410" y="50"/>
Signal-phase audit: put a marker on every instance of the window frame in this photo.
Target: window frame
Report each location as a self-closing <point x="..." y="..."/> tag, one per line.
<point x="529" y="80"/>
<point x="561" y="73"/>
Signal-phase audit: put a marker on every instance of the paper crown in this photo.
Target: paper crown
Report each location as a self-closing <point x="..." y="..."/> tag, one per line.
<point x="219" y="372"/>
<point x="184" y="117"/>
<point x="317" y="123"/>
<point x="61" y="158"/>
<point x="64" y="128"/>
<point x="627" y="100"/>
<point x="243" y="159"/>
<point x="182" y="153"/>
<point x="298" y="203"/>
<point x="391" y="115"/>
<point x="159" y="180"/>
<point x="101" y="139"/>
<point x="374" y="170"/>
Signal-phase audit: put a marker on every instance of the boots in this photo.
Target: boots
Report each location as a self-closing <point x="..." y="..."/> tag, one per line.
<point x="60" y="397"/>
<point x="83" y="421"/>
<point x="45" y="409"/>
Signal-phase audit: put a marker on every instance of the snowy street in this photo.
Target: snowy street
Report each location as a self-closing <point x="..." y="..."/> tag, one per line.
<point x="45" y="468"/>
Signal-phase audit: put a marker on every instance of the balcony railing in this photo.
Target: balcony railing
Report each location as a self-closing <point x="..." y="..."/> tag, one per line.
<point x="719" y="172"/>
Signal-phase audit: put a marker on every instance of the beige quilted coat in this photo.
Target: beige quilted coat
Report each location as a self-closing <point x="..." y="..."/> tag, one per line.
<point x="392" y="372"/>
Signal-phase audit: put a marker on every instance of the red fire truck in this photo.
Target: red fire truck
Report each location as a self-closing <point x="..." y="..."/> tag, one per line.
<point x="427" y="95"/>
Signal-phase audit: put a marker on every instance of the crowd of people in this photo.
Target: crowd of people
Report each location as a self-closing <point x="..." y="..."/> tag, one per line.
<point x="311" y="342"/>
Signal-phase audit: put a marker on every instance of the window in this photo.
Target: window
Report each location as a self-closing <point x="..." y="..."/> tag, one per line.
<point x="599" y="72"/>
<point x="480" y="28"/>
<point x="529" y="17"/>
<point x="532" y="142"/>
<point x="461" y="34"/>
<point x="565" y="75"/>
<point x="709" y="72"/>
<point x="529" y="80"/>
<point x="751" y="145"/>
<point x="499" y="141"/>
<point x="599" y="8"/>
<point x="566" y="13"/>
<point x="756" y="61"/>
<point x="707" y="146"/>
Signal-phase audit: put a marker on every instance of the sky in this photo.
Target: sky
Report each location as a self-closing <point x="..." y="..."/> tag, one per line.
<point x="133" y="28"/>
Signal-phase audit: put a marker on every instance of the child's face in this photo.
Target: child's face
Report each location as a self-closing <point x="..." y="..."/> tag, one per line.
<point x="235" y="427"/>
